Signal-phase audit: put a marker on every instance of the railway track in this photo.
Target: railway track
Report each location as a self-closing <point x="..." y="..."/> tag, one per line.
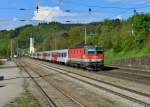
<point x="58" y="98"/>
<point x="50" y="101"/>
<point x="139" y="78"/>
<point x="129" y="94"/>
<point x="131" y="74"/>
<point x="130" y="70"/>
<point x="134" y="75"/>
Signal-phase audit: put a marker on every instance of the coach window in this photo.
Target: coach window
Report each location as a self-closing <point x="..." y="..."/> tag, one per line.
<point x="65" y="54"/>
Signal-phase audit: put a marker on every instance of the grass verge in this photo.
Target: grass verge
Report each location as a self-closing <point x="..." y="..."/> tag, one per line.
<point x="25" y="100"/>
<point x="111" y="56"/>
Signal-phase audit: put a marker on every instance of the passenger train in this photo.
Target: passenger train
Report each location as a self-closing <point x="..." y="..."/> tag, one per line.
<point x="88" y="57"/>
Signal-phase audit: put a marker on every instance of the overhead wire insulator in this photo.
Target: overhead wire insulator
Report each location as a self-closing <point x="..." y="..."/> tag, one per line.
<point x="22" y="20"/>
<point x="37" y="8"/>
<point x="68" y="21"/>
<point x="90" y="11"/>
<point x="22" y="9"/>
<point x="135" y="12"/>
<point x="67" y="11"/>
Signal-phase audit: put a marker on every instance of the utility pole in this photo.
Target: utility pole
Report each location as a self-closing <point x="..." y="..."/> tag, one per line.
<point x="54" y="35"/>
<point x="17" y="48"/>
<point x="135" y="12"/>
<point x="55" y="43"/>
<point x="85" y="30"/>
<point x="85" y="37"/>
<point x="11" y="48"/>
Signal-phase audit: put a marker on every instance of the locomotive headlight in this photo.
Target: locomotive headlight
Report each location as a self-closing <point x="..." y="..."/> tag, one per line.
<point x="84" y="56"/>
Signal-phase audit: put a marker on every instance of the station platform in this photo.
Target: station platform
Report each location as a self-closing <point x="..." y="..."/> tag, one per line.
<point x="12" y="85"/>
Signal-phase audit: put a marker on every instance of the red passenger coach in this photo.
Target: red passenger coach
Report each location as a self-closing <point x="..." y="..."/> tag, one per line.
<point x="89" y="57"/>
<point x="54" y="56"/>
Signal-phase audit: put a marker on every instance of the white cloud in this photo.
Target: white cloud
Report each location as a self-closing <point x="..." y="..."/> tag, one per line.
<point x="15" y="19"/>
<point x="142" y="2"/>
<point x="10" y="24"/>
<point x="119" y="17"/>
<point x="49" y="14"/>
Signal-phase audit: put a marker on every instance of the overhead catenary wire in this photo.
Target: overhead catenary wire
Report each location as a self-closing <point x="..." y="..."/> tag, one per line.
<point x="105" y="7"/>
<point x="59" y="2"/>
<point x="18" y="9"/>
<point x="127" y="10"/>
<point x="81" y="4"/>
<point x="90" y="9"/>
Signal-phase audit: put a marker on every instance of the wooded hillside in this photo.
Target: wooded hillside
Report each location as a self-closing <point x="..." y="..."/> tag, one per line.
<point x="116" y="35"/>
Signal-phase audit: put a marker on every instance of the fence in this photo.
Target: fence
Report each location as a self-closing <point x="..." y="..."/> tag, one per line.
<point x="139" y="62"/>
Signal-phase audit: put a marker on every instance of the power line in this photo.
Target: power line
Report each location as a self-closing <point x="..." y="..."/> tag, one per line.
<point x="21" y="9"/>
<point x="105" y="7"/>
<point x="127" y="10"/>
<point x="59" y="2"/>
<point x="89" y="10"/>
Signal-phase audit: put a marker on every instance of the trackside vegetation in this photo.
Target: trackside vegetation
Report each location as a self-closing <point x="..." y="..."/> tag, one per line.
<point x="119" y="38"/>
<point x="25" y="100"/>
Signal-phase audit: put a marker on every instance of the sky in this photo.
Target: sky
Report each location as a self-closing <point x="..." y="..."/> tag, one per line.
<point x="74" y="11"/>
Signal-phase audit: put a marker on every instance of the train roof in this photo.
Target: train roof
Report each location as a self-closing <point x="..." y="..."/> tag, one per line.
<point x="87" y="45"/>
<point x="52" y="51"/>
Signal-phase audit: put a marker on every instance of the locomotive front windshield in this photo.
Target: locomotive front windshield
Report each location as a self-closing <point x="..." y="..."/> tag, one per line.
<point x="94" y="50"/>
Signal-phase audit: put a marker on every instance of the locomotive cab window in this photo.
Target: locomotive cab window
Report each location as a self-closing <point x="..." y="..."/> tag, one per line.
<point x="99" y="50"/>
<point x="91" y="51"/>
<point x="94" y="50"/>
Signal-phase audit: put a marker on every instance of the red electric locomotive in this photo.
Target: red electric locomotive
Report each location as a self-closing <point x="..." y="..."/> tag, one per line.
<point x="89" y="57"/>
